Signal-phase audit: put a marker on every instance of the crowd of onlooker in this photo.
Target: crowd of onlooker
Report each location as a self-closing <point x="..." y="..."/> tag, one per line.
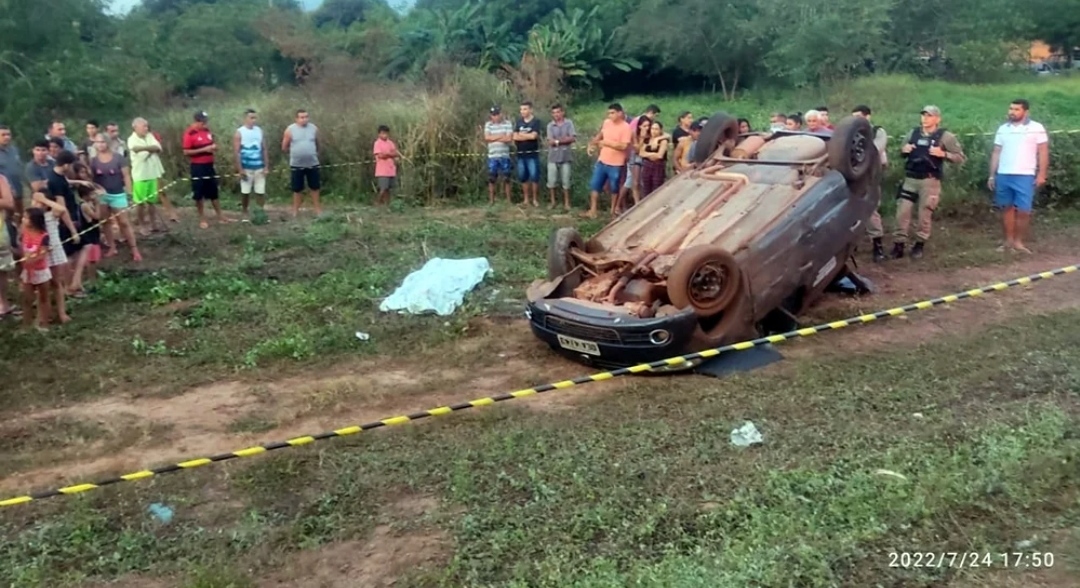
<point x="65" y="208"/>
<point x="636" y="153"/>
<point x="62" y="211"/>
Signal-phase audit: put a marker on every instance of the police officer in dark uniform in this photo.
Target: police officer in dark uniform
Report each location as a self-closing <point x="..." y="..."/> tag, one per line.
<point x="925" y="154"/>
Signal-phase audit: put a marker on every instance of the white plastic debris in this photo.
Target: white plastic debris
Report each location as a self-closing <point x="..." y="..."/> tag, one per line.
<point x="746" y="435"/>
<point x="440" y="286"/>
<point x="362" y="336"/>
<point x="1026" y="543"/>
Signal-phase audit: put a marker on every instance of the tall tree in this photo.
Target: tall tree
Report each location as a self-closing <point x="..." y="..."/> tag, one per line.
<point x="720" y="41"/>
<point x="818" y="41"/>
<point x="343" y="13"/>
<point x="1057" y="23"/>
<point x="51" y="66"/>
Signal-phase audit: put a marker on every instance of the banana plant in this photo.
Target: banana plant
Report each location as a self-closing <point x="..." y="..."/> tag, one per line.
<point x="580" y="46"/>
<point x="466" y="34"/>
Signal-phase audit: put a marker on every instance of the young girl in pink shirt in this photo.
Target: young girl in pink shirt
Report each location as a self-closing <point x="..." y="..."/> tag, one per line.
<point x="36" y="276"/>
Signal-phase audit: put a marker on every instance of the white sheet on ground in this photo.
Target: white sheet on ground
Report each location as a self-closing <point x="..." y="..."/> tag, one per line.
<point x="440" y="286"/>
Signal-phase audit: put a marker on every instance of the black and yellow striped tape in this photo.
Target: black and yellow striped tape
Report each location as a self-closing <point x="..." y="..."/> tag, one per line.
<point x="564" y="384"/>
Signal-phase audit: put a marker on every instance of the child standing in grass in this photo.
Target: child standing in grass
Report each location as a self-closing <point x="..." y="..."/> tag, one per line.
<point x="36" y="276"/>
<point x="55" y="212"/>
<point x="386" y="156"/>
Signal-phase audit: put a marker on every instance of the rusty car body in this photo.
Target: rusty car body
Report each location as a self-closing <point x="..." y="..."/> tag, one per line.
<point x="745" y="241"/>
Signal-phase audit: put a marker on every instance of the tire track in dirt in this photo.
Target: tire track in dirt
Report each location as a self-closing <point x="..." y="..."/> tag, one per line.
<point x="898" y="285"/>
<point x="208" y="420"/>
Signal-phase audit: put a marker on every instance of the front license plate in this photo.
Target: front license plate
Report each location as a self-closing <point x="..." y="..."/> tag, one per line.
<point x="579" y="345"/>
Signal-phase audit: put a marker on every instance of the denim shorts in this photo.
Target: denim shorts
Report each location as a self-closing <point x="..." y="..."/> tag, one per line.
<point x="602" y="173"/>
<point x="528" y="168"/>
<point x="498" y="166"/>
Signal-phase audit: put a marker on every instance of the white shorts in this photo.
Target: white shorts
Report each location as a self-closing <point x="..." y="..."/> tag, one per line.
<point x="36" y="277"/>
<point x="56" y="248"/>
<point x="253" y="178"/>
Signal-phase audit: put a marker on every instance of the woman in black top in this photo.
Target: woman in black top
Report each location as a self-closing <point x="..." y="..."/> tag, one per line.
<point x="682" y="129"/>
<point x="91" y="236"/>
<point x="654" y="159"/>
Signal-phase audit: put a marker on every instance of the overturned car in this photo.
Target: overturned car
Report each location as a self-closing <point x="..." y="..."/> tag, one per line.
<point x="731" y="250"/>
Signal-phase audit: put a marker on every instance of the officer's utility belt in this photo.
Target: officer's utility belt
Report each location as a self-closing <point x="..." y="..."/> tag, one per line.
<point x="918" y="175"/>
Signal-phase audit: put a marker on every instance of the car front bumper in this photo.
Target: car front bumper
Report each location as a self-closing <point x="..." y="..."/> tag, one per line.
<point x="603" y="339"/>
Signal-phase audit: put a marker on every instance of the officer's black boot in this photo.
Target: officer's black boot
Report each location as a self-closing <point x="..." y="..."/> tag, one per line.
<point x="897" y="250"/>
<point x="916" y="250"/>
<point x="879" y="250"/>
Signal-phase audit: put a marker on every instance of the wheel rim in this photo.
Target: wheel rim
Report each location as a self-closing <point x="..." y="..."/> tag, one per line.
<point x="707" y="285"/>
<point x="858" y="150"/>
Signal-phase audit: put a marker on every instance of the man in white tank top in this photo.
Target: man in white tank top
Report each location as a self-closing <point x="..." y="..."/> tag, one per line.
<point x="302" y="144"/>
<point x="249" y="148"/>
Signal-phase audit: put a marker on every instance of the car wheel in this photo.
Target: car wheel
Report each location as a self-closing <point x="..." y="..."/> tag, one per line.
<point x="561" y="262"/>
<point x="705" y="278"/>
<point x="721" y="128"/>
<point x="851" y="149"/>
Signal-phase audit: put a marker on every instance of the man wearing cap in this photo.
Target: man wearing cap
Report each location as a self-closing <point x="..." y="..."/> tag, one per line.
<point x="498" y="134"/>
<point x="1018" y="168"/>
<point x="925" y="154"/>
<point x="199" y="147"/>
<point x="881" y="139"/>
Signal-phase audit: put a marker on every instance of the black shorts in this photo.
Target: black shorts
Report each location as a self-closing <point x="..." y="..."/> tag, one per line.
<point x="204" y="184"/>
<point x="301" y="174"/>
<point x="70" y="248"/>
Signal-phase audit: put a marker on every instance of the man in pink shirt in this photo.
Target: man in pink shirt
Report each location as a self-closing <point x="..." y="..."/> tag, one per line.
<point x="613" y="140"/>
<point x="386" y="156"/>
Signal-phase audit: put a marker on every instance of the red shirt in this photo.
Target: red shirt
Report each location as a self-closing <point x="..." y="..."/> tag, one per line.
<point x="34" y="248"/>
<point x="196" y="138"/>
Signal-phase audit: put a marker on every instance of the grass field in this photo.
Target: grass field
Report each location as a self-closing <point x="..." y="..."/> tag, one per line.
<point x="949" y="430"/>
<point x="896" y="102"/>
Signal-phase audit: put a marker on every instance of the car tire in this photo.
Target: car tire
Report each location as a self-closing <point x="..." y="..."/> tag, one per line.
<point x="706" y="278"/>
<point x="852" y="151"/>
<point x="719" y="129"/>
<point x="561" y="262"/>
